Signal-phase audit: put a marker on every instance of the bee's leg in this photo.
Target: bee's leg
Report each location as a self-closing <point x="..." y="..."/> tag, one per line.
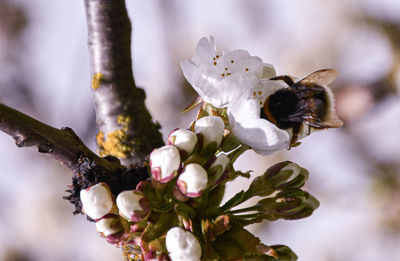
<point x="295" y="132"/>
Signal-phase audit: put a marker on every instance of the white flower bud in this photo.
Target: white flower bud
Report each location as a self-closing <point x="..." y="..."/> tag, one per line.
<point x="182" y="245"/>
<point x="221" y="160"/>
<point x="165" y="163"/>
<point x="193" y="180"/>
<point x="109" y="226"/>
<point x="132" y="205"/>
<point x="184" y="140"/>
<point x="97" y="200"/>
<point x="112" y="227"/>
<point x="211" y="129"/>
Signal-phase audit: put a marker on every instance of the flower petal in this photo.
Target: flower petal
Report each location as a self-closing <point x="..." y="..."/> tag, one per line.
<point x="244" y="118"/>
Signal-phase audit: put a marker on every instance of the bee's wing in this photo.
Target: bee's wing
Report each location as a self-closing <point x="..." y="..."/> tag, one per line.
<point x="320" y="77"/>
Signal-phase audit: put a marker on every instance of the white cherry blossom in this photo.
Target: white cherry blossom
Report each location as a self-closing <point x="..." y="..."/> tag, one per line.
<point x="220" y="78"/>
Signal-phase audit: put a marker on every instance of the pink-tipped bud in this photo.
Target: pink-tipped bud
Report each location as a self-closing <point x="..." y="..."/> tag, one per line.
<point x="184" y="140"/>
<point x="193" y="180"/>
<point x="182" y="245"/>
<point x="165" y="163"/>
<point x="113" y="228"/>
<point x="97" y="200"/>
<point x="132" y="205"/>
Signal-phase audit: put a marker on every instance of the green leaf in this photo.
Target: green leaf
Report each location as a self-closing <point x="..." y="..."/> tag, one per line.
<point x="246" y="174"/>
<point x="229" y="143"/>
<point x="185" y="210"/>
<point x="238" y="243"/>
<point x="236" y="200"/>
<point x="151" y="195"/>
<point x="159" y="227"/>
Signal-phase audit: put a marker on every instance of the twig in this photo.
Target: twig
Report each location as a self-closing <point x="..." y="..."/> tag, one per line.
<point x="61" y="144"/>
<point x="126" y="129"/>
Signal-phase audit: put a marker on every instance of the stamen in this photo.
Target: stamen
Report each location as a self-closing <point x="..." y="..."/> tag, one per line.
<point x="247" y="69"/>
<point x="223" y="74"/>
<point x="231" y="61"/>
<point x="215" y="63"/>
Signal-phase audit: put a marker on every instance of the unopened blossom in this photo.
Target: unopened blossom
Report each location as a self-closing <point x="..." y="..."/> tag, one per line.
<point x="112" y="227"/>
<point x="221" y="160"/>
<point x="193" y="180"/>
<point x="165" y="163"/>
<point x="132" y="205"/>
<point x="211" y="129"/>
<point x="182" y="245"/>
<point x="96" y="200"/>
<point x="184" y="140"/>
<point x="220" y="78"/>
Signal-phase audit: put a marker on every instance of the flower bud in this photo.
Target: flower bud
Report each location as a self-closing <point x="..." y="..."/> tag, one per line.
<point x="97" y="200"/>
<point x="210" y="130"/>
<point x="288" y="204"/>
<point x="182" y="245"/>
<point x="193" y="180"/>
<point x="112" y="228"/>
<point x="282" y="175"/>
<point x="221" y="161"/>
<point x="184" y="140"/>
<point x="132" y="205"/>
<point x="165" y="163"/>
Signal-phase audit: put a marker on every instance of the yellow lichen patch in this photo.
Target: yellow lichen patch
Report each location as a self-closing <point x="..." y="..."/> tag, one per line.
<point x="125" y="121"/>
<point x="96" y="80"/>
<point x="117" y="142"/>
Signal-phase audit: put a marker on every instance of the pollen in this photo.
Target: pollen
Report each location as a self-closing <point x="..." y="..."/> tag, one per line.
<point x="217" y="56"/>
<point x="254" y="93"/>
<point x="228" y="74"/>
<point x="214" y="58"/>
<point x="232" y="61"/>
<point x="223" y="74"/>
<point x="260" y="92"/>
<point x="226" y="68"/>
<point x="215" y="63"/>
<point x="247" y="69"/>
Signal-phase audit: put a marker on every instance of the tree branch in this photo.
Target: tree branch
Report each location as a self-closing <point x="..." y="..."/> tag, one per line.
<point x="126" y="129"/>
<point x="61" y="144"/>
<point x="66" y="147"/>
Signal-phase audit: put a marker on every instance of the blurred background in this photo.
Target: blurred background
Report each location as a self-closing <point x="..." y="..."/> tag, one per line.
<point x="354" y="171"/>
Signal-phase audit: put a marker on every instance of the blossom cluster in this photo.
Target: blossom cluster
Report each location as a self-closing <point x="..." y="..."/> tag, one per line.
<point x="244" y="85"/>
<point x="177" y="213"/>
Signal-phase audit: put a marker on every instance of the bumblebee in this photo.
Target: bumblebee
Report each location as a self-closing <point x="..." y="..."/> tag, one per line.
<point x="305" y="103"/>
